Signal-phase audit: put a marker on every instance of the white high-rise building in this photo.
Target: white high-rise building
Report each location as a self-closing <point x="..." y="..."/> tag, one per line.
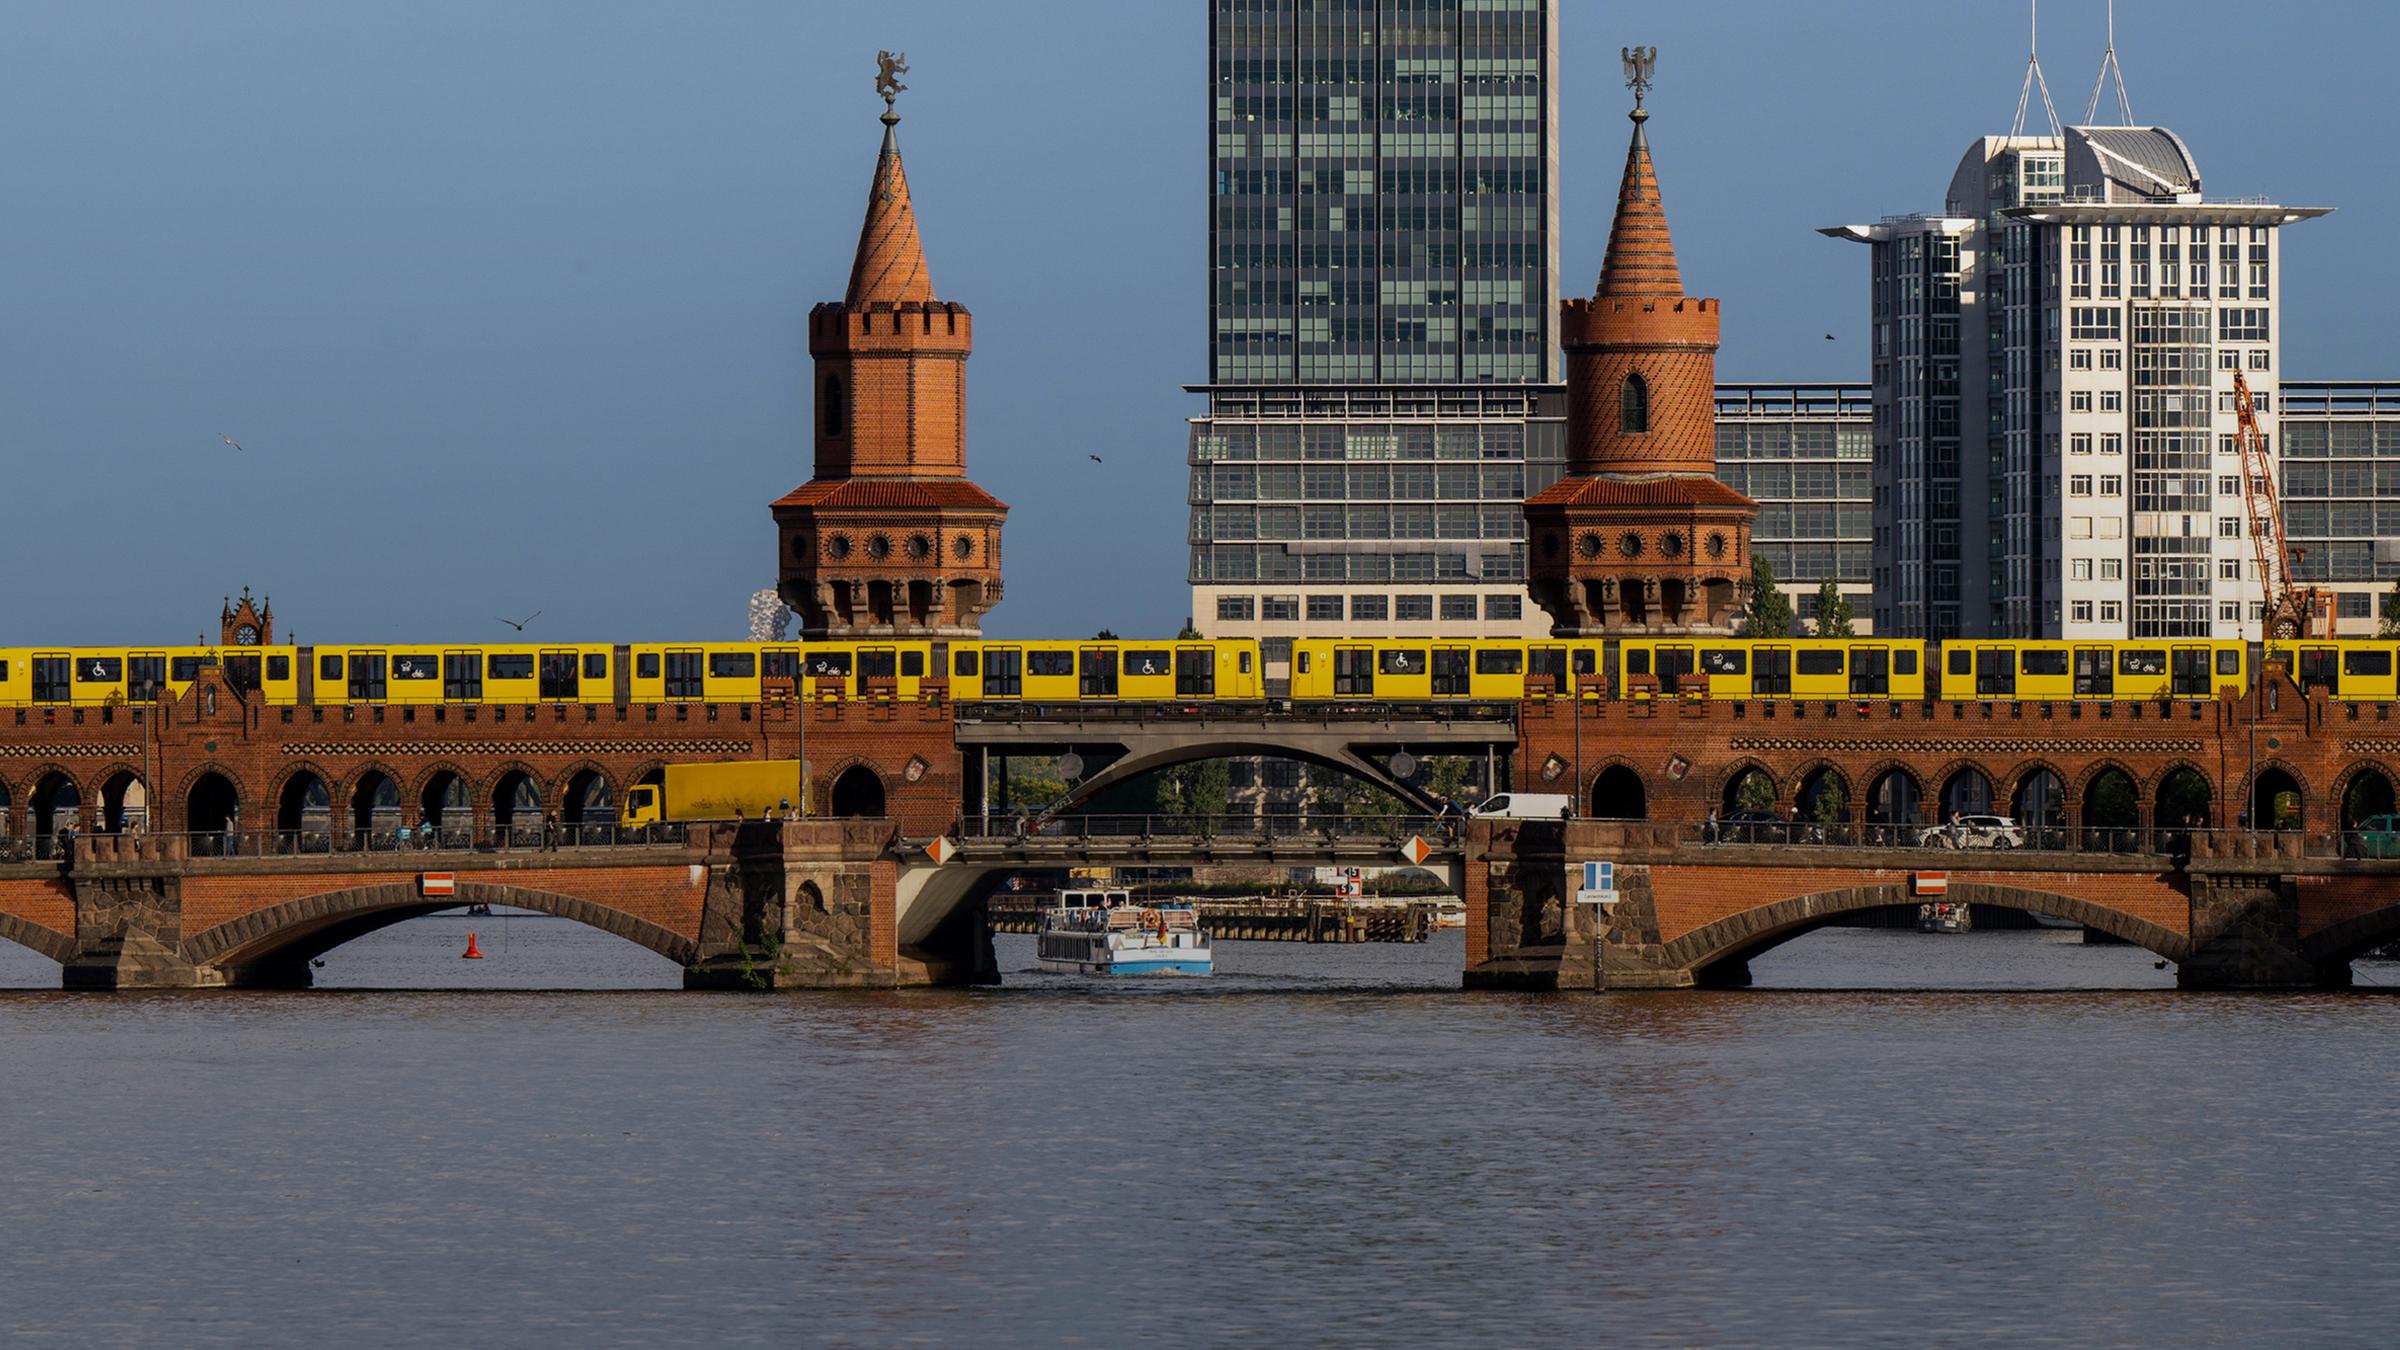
<point x="2055" y="356"/>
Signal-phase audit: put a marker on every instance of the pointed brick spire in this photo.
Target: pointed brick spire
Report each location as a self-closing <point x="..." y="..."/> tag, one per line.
<point x="891" y="259"/>
<point x="1641" y="254"/>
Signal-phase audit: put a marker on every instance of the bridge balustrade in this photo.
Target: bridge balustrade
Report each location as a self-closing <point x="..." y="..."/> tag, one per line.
<point x="1322" y="827"/>
<point x="132" y="847"/>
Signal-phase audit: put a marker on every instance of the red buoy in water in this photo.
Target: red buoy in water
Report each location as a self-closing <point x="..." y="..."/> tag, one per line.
<point x="473" y="952"/>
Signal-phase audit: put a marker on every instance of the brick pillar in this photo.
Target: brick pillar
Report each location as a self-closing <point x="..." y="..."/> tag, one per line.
<point x="2246" y="935"/>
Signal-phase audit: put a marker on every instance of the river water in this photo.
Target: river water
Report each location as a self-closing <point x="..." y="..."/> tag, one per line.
<point x="1896" y="1140"/>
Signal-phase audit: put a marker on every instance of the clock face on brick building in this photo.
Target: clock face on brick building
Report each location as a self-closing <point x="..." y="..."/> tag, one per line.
<point x="245" y="636"/>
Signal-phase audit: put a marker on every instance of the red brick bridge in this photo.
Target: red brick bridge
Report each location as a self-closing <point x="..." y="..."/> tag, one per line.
<point x="2141" y="815"/>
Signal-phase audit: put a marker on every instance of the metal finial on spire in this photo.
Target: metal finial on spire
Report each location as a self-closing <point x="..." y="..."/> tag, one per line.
<point x="2110" y="69"/>
<point x="1641" y="73"/>
<point x="2034" y="81"/>
<point x="889" y="67"/>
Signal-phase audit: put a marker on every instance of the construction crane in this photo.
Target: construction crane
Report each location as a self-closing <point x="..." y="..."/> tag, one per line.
<point x="2292" y="610"/>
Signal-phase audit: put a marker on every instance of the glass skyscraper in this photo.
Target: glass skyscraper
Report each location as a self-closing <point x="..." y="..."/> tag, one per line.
<point x="1383" y="307"/>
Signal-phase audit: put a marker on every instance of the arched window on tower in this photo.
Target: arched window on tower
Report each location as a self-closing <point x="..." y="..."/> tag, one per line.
<point x="831" y="409"/>
<point x="1636" y="405"/>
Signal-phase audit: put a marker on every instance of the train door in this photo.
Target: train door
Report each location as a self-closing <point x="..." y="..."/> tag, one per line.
<point x="368" y="671"/>
<point x="2189" y="672"/>
<point x="561" y="677"/>
<point x="1097" y="667"/>
<point x="1450" y="672"/>
<point x="1195" y="672"/>
<point x="1551" y="663"/>
<point x="1673" y="664"/>
<point x="1354" y="672"/>
<point x="145" y="677"/>
<point x="1771" y="672"/>
<point x="1003" y="672"/>
<point x="687" y="679"/>
<point x="1870" y="673"/>
<point x="2320" y="668"/>
<point x="2095" y="673"/>
<point x="462" y="677"/>
<point x="1995" y="672"/>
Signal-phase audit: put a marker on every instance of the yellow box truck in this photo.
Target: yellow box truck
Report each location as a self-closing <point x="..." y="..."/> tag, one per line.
<point x="748" y="789"/>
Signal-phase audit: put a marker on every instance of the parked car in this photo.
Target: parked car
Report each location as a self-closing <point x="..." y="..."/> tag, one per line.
<point x="1973" y="832"/>
<point x="2375" y="837"/>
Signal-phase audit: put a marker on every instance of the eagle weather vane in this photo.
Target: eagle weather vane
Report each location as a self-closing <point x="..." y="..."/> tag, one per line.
<point x="1641" y="71"/>
<point x="889" y="67"/>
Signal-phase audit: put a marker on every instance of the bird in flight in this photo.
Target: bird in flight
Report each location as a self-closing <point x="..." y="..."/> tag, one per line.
<point x="1831" y="338"/>
<point x="1096" y="459"/>
<point x="519" y="624"/>
<point x="229" y="440"/>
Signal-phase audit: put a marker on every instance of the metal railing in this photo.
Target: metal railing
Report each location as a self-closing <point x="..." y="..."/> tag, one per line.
<point x="1443" y="832"/>
<point x="131" y="846"/>
<point x="2112" y="841"/>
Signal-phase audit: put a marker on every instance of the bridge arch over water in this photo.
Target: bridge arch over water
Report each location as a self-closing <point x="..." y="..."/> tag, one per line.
<point x="1719" y="953"/>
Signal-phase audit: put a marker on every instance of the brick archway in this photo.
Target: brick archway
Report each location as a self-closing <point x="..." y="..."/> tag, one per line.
<point x="292" y="932"/>
<point x="1729" y="944"/>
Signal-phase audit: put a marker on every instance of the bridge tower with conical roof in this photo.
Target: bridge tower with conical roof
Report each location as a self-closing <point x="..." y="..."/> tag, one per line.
<point x="890" y="538"/>
<point x="1639" y="536"/>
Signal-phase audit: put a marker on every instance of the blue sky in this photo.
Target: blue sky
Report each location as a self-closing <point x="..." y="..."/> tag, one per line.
<point x="505" y="298"/>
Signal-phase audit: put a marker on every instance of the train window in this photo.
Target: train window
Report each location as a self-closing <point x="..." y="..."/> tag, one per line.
<point x="2229" y="663"/>
<point x="645" y="666"/>
<point x="733" y="665"/>
<point x="1637" y="663"/>
<point x="878" y="664"/>
<point x="1904" y="663"/>
<point x="406" y="667"/>
<point x="968" y="664"/>
<point x="1962" y="663"/>
<point x="1587" y="662"/>
<point x="1552" y="662"/>
<point x="1195" y="672"/>
<point x="279" y="667"/>
<point x="52" y="679"/>
<point x="1245" y="663"/>
<point x="367" y="674"/>
<point x="828" y="665"/>
<point x="1818" y="663"/>
<point x="2045" y="663"/>
<point x="2367" y="663"/>
<point x="146" y="675"/>
<point x="1719" y="661"/>
<point x="1401" y="661"/>
<point x="595" y="666"/>
<point x="329" y="668"/>
<point x="1503" y="661"/>
<point x="1049" y="663"/>
<point x="1002" y="677"/>
<point x="1148" y="663"/>
<point x="181" y="669"/>
<point x="559" y="676"/>
<point x="518" y="667"/>
<point x="912" y="665"/>
<point x="99" y="669"/>
<point x="683" y="675"/>
<point x="462" y="676"/>
<point x="3" y="670"/>
<point x="1299" y="662"/>
<point x="2143" y="661"/>
<point x="780" y="664"/>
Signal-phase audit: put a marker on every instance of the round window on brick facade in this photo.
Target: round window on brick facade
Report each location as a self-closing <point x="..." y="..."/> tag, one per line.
<point x="1670" y="544"/>
<point x="1630" y="545"/>
<point x="1716" y="545"/>
<point x="1591" y="545"/>
<point x="963" y="547"/>
<point x="920" y="547"/>
<point x="879" y="547"/>
<point x="837" y="546"/>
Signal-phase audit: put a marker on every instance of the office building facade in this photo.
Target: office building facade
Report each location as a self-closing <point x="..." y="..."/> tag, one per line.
<point x="2341" y="494"/>
<point x="1383" y="391"/>
<point x="1805" y="454"/>
<point x="2055" y="358"/>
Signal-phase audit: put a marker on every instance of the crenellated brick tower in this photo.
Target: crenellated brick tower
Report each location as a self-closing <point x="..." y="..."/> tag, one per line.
<point x="1639" y="537"/>
<point x="890" y="538"/>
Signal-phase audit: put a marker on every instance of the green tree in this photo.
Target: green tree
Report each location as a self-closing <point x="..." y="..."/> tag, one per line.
<point x="2390" y="627"/>
<point x="1833" y="611"/>
<point x="1770" y="610"/>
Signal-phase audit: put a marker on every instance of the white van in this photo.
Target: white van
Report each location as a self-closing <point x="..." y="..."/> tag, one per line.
<point x="1526" y="806"/>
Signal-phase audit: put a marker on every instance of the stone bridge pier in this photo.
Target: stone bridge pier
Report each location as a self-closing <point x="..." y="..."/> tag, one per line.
<point x="1692" y="915"/>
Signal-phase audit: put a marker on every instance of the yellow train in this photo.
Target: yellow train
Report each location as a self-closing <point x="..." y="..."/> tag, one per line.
<point x="1419" y="670"/>
<point x="92" y="677"/>
<point x="2093" y="670"/>
<point x="739" y="672"/>
<point x="1797" y="668"/>
<point x="1111" y="670"/>
<point x="2359" y="671"/>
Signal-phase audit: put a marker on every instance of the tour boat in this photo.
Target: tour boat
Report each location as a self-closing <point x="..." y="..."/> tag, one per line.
<point x="1107" y="933"/>
<point x="1941" y="916"/>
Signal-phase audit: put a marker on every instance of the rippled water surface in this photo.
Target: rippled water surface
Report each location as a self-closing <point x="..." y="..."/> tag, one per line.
<point x="1880" y="1145"/>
